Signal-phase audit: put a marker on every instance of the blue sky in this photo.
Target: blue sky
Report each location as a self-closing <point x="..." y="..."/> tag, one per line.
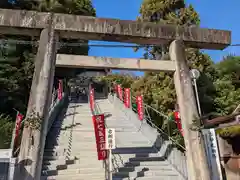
<point x="217" y="14"/>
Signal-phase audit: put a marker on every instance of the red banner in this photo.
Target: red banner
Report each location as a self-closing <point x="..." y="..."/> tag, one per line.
<point x="140" y="107"/>
<point x="178" y="121"/>
<point x="19" y="119"/>
<point x="127" y="97"/>
<point x="115" y="88"/>
<point x="91" y="99"/>
<point x="120" y="94"/>
<point x="99" y="128"/>
<point x="60" y="89"/>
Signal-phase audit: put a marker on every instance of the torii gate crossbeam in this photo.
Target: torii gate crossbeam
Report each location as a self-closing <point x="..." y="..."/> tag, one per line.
<point x="31" y="23"/>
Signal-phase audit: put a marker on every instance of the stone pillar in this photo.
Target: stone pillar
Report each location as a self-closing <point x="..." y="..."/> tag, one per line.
<point x="195" y="152"/>
<point x="33" y="139"/>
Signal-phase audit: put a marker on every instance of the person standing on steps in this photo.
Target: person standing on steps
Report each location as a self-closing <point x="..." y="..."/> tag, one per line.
<point x="84" y="94"/>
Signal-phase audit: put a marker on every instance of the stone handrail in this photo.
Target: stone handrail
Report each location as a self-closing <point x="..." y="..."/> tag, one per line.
<point x="55" y="109"/>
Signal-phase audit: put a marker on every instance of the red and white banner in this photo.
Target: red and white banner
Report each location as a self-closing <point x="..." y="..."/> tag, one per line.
<point x="60" y="89"/>
<point x="120" y="94"/>
<point x="99" y="128"/>
<point x="19" y="119"/>
<point x="91" y="99"/>
<point x="140" y="107"/>
<point x="178" y="121"/>
<point x="127" y="97"/>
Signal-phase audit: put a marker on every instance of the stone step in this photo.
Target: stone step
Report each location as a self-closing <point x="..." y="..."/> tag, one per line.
<point x="62" y="160"/>
<point x="73" y="152"/>
<point x="158" y="178"/>
<point x="146" y="163"/>
<point x="78" y="136"/>
<point x="57" y="152"/>
<point x="59" y="165"/>
<point x="73" y="142"/>
<point x="54" y="172"/>
<point x="149" y="178"/>
<point x="134" y="150"/>
<point x="59" y="162"/>
<point x="145" y="173"/>
<point x="133" y="144"/>
<point x="81" y="129"/>
<point x="75" y="176"/>
<point x="63" y="142"/>
<point x="50" y="158"/>
<point x="161" y="173"/>
<point x="74" y="148"/>
<point x="75" y="138"/>
<point x="146" y="168"/>
<point x="78" y="159"/>
<point x="88" y="165"/>
<point x="146" y="159"/>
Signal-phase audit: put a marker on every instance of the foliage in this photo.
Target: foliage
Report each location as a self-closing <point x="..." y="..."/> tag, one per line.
<point x="6" y="130"/>
<point x="166" y="12"/>
<point x="218" y="85"/>
<point x="227" y="85"/>
<point x="158" y="88"/>
<point x="17" y="60"/>
<point x="229" y="131"/>
<point x="124" y="79"/>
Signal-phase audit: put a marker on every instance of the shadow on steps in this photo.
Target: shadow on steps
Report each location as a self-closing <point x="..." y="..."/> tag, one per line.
<point x="138" y="165"/>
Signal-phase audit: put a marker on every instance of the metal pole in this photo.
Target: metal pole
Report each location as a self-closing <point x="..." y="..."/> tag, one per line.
<point x="110" y="164"/>
<point x="197" y="97"/>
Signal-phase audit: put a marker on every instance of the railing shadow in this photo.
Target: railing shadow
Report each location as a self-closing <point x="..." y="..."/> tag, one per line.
<point x="142" y="154"/>
<point x="54" y="135"/>
<point x="21" y="172"/>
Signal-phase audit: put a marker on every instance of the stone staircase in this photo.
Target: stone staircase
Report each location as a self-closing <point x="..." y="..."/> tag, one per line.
<point x="140" y="153"/>
<point x="70" y="150"/>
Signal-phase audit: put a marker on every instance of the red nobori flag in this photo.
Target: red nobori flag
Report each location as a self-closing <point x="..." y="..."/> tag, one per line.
<point x="91" y="99"/>
<point x="120" y="95"/>
<point x="19" y="119"/>
<point x="140" y="107"/>
<point x="127" y="97"/>
<point x="99" y="128"/>
<point x="178" y="121"/>
<point x="115" y="88"/>
<point x="60" y="89"/>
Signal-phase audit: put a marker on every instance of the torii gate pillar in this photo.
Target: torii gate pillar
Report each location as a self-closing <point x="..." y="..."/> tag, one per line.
<point x="189" y="115"/>
<point x="38" y="107"/>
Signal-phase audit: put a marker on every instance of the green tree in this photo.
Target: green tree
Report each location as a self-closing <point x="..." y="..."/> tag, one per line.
<point x="163" y="94"/>
<point x="227" y="84"/>
<point x="124" y="79"/>
<point x="16" y="60"/>
<point x="5" y="131"/>
<point x="158" y="88"/>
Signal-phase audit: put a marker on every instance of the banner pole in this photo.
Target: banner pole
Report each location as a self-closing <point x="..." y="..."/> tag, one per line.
<point x="12" y="146"/>
<point x="110" y="164"/>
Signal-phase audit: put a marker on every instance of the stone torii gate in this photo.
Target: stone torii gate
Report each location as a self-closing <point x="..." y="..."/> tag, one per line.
<point x="50" y="27"/>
